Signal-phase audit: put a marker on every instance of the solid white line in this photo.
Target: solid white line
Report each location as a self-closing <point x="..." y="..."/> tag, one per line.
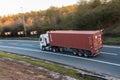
<point x="26" y="44"/>
<point x="114" y="64"/>
<point x="111" y="46"/>
<point x="21" y="40"/>
<point x="13" y="43"/>
<point x="109" y="53"/>
<point x="21" y="44"/>
<point x="21" y="48"/>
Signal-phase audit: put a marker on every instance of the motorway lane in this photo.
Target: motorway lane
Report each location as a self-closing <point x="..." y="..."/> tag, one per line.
<point x="15" y="43"/>
<point x="111" y="54"/>
<point x="108" y="62"/>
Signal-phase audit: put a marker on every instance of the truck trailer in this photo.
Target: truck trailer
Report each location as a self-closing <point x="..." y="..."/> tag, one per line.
<point x="81" y="43"/>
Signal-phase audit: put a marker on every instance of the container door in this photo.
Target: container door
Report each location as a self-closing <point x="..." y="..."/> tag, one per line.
<point x="97" y="41"/>
<point x="90" y="42"/>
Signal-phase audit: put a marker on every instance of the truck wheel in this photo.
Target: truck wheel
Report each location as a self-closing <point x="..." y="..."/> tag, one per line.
<point x="43" y="49"/>
<point x="54" y="50"/>
<point x="80" y="54"/>
<point x="86" y="53"/>
<point x="61" y="50"/>
<point x="74" y="52"/>
<point x="50" y="49"/>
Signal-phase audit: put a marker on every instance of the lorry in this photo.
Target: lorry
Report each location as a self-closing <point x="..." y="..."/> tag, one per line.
<point x="81" y="43"/>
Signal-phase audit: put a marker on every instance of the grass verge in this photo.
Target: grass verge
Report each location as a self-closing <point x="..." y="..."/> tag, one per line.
<point x="60" y="69"/>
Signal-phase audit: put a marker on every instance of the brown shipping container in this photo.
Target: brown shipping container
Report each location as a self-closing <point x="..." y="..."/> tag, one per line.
<point x="87" y="40"/>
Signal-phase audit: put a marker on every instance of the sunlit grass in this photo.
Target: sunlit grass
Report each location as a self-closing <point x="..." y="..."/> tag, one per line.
<point x="60" y="69"/>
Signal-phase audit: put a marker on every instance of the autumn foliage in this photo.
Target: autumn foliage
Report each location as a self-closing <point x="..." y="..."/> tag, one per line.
<point x="96" y="14"/>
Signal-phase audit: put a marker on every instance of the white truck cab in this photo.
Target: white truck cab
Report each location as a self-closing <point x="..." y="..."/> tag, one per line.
<point x="44" y="41"/>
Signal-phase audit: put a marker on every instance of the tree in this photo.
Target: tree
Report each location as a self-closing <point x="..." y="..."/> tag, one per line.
<point x="95" y="3"/>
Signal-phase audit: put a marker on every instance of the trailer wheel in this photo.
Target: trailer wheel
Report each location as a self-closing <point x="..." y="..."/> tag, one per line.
<point x="61" y="50"/>
<point x="80" y="54"/>
<point x="74" y="52"/>
<point x="86" y="53"/>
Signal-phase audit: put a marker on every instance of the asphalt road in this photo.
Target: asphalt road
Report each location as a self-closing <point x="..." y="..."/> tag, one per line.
<point x="108" y="62"/>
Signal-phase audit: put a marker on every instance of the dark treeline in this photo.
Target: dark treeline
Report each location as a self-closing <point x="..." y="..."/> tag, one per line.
<point x="92" y="15"/>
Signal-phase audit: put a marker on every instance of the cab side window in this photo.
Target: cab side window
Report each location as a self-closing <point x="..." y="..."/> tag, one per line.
<point x="40" y="39"/>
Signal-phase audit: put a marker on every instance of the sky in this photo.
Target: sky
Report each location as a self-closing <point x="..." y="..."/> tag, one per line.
<point x="8" y="7"/>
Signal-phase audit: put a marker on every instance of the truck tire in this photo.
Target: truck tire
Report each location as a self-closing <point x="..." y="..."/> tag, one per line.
<point x="50" y="49"/>
<point x="61" y="49"/>
<point x="80" y="54"/>
<point x="86" y="53"/>
<point x="77" y="52"/>
<point x="43" y="48"/>
<point x="74" y="52"/>
<point x="54" y="50"/>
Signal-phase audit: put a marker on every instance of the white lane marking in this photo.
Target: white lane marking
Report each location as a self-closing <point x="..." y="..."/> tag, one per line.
<point x="109" y="53"/>
<point x="13" y="43"/>
<point x="22" y="40"/>
<point x="30" y="45"/>
<point x="22" y="48"/>
<point x="93" y="60"/>
<point x="111" y="46"/>
<point x="27" y="45"/>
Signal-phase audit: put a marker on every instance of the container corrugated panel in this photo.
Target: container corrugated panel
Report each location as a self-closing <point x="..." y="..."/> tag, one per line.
<point x="72" y="39"/>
